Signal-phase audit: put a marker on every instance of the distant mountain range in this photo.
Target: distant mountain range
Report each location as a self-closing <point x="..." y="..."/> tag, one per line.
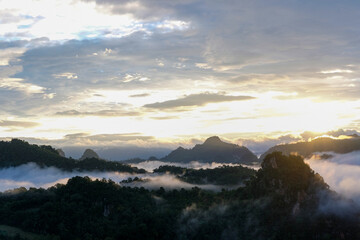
<point x="18" y="152"/>
<point x="213" y="150"/>
<point x="307" y="149"/>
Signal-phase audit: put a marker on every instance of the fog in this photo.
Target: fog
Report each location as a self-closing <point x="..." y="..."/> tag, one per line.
<point x="341" y="172"/>
<point x="151" y="165"/>
<point x="118" y="153"/>
<point x="31" y="175"/>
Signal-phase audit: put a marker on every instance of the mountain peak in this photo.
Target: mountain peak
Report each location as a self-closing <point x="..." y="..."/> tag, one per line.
<point x="89" y="153"/>
<point x="213" y="150"/>
<point x="214" y="140"/>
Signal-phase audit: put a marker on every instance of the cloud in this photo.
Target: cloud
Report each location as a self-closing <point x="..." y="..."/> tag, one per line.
<point x="151" y="165"/>
<point x="18" y="84"/>
<point x="145" y="10"/>
<point x="123" y="137"/>
<point x="31" y="175"/>
<point x="18" y="124"/>
<point x="341" y="172"/>
<point x="67" y="75"/>
<point x="282" y="47"/>
<point x="101" y="113"/>
<point x="9" y="55"/>
<point x="200" y="99"/>
<point x="140" y="95"/>
<point x="339" y="133"/>
<point x="337" y="71"/>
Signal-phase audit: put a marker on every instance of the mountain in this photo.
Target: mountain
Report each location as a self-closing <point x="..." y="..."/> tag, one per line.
<point x="306" y="149"/>
<point x="89" y="153"/>
<point x="213" y="150"/>
<point x="17" y="152"/>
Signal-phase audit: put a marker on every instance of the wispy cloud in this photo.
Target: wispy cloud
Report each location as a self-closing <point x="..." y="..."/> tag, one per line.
<point x="200" y="99"/>
<point x="31" y="175"/>
<point x="19" y="84"/>
<point x="101" y="113"/>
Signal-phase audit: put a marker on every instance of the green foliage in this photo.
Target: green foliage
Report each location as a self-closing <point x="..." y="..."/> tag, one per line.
<point x="170" y="169"/>
<point x="224" y="175"/>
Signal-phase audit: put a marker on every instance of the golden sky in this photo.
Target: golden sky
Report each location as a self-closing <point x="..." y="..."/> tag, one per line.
<point x="131" y="72"/>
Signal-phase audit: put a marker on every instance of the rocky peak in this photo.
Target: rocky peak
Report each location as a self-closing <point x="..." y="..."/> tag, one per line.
<point x="89" y="153"/>
<point x="288" y="175"/>
<point x="215" y="140"/>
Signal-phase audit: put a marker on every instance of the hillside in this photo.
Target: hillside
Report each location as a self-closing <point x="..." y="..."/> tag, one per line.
<point x="306" y="149"/>
<point x="18" y="152"/>
<point x="224" y="175"/>
<point x="282" y="201"/>
<point x="213" y="150"/>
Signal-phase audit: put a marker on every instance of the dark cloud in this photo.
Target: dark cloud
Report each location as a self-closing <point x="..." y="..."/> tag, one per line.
<point x="76" y="135"/>
<point x="146" y="10"/>
<point x="18" y="124"/>
<point x="101" y="113"/>
<point x="196" y="100"/>
<point x="140" y="95"/>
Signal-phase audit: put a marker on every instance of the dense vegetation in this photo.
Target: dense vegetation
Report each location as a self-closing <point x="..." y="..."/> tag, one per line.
<point x="18" y="152"/>
<point x="280" y="202"/>
<point x="306" y="149"/>
<point x="224" y="175"/>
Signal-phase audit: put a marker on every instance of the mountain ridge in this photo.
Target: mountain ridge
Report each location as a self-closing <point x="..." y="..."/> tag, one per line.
<point x="323" y="144"/>
<point x="212" y="150"/>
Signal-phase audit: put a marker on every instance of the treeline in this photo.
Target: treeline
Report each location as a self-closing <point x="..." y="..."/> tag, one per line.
<point x="223" y="175"/>
<point x="18" y="152"/>
<point x="280" y="202"/>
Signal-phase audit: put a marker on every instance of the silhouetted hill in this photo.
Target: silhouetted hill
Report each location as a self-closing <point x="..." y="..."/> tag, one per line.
<point x="213" y="150"/>
<point x="306" y="149"/>
<point x="18" y="152"/>
<point x="89" y="153"/>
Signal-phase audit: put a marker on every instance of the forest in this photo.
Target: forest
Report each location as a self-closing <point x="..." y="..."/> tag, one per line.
<point x="282" y="200"/>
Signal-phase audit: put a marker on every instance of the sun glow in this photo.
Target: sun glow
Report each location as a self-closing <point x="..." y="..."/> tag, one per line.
<point x="263" y="114"/>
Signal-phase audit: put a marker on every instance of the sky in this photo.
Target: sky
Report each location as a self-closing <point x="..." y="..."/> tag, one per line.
<point x="157" y="72"/>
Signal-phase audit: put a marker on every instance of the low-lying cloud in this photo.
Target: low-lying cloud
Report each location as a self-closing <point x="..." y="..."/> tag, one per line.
<point x="341" y="172"/>
<point x="151" y="165"/>
<point x="31" y="175"/>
